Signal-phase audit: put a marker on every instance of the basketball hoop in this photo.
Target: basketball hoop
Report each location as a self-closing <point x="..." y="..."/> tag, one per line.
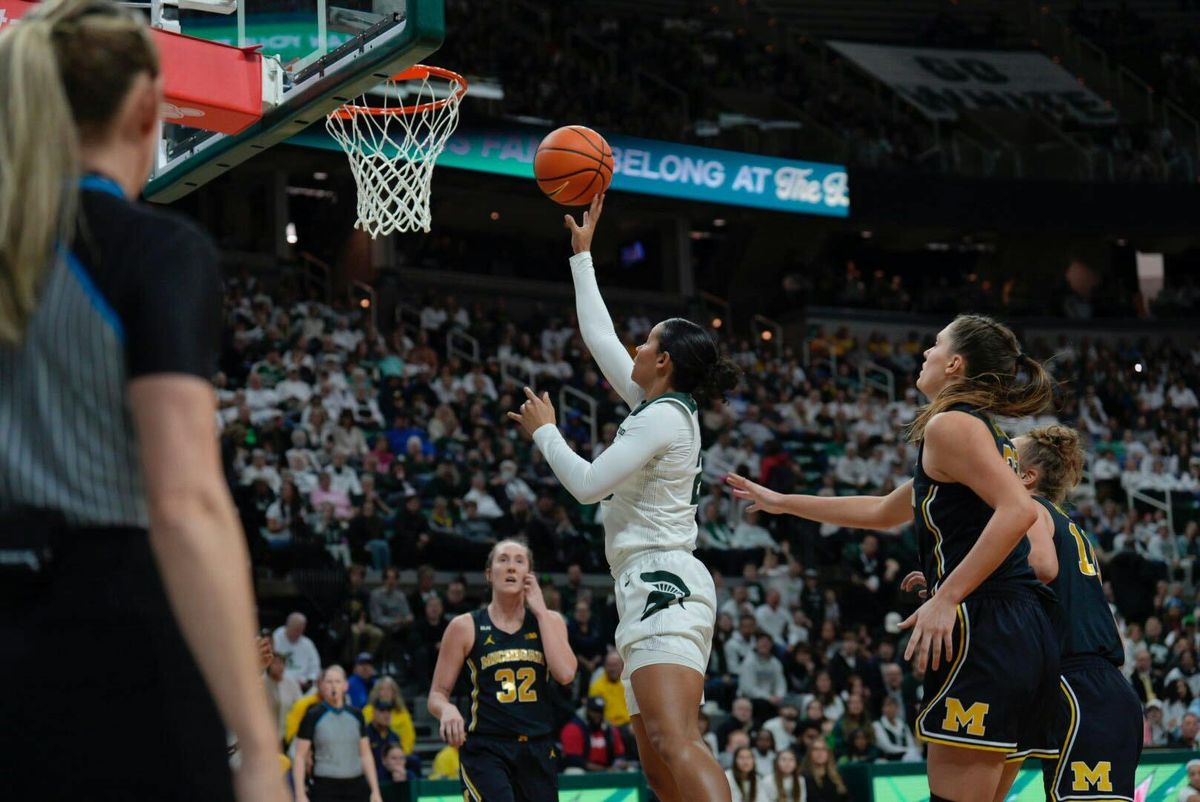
<point x="392" y="148"/>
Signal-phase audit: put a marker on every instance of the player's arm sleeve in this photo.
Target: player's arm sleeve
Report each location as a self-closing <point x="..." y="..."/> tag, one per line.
<point x="601" y="338"/>
<point x="174" y="322"/>
<point x="647" y="434"/>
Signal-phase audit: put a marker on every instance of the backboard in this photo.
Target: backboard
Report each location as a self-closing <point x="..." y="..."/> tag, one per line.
<point x="317" y="55"/>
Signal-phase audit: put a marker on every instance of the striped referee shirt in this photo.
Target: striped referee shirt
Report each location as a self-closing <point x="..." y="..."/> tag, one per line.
<point x="137" y="292"/>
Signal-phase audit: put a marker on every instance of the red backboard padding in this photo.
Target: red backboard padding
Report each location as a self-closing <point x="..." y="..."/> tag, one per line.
<point x="208" y="85"/>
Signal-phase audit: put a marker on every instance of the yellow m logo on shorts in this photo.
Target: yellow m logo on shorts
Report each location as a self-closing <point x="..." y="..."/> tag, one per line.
<point x="1087" y="778"/>
<point x="958" y="717"/>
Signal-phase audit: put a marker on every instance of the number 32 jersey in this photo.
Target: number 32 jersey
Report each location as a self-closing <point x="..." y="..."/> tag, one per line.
<point x="509" y="681"/>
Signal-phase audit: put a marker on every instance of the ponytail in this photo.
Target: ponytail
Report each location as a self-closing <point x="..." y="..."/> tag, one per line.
<point x="1057" y="452"/>
<point x="65" y="69"/>
<point x="39" y="168"/>
<point x="990" y="383"/>
<point x="699" y="368"/>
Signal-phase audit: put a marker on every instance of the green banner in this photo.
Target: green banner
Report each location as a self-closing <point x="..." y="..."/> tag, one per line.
<point x="1158" y="781"/>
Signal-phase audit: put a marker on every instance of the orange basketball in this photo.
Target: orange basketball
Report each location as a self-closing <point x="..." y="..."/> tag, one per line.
<point x="572" y="164"/>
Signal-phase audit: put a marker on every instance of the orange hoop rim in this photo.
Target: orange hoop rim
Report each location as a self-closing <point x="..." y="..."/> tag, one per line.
<point x="416" y="72"/>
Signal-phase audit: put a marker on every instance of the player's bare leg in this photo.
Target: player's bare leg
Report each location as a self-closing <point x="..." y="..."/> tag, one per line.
<point x="669" y="699"/>
<point x="964" y="775"/>
<point x="656" y="771"/>
<point x="1011" y="769"/>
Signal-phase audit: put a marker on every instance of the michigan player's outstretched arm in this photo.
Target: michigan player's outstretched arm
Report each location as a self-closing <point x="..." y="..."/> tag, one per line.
<point x="647" y="434"/>
<point x="959" y="448"/>
<point x="595" y="324"/>
<point x="457" y="642"/>
<point x="854" y="512"/>
<point x="560" y="657"/>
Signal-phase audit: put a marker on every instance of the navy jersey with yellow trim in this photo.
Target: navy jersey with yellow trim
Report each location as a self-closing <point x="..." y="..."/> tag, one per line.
<point x="1082" y="618"/>
<point x="509" y="681"/>
<point x="949" y="518"/>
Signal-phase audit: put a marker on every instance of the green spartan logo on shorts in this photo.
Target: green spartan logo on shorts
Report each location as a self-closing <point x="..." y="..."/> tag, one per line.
<point x="667" y="588"/>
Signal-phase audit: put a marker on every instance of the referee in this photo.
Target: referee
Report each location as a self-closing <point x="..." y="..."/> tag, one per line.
<point x="120" y="551"/>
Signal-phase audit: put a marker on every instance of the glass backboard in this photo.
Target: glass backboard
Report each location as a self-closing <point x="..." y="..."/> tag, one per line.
<point x="319" y="55"/>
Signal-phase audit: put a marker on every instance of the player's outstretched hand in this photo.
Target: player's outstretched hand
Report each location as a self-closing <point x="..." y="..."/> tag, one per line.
<point x="932" y="628"/>
<point x="581" y="236"/>
<point x="535" y="412"/>
<point x="452" y="730"/>
<point x="760" y="497"/>
<point x="533" y="595"/>
<point x="914" y="580"/>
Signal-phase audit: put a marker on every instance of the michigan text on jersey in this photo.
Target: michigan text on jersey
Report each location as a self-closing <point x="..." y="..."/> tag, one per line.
<point x="513" y="656"/>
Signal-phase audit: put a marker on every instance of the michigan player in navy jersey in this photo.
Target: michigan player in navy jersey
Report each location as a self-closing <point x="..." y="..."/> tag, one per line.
<point x="1091" y="748"/>
<point x="511" y="650"/>
<point x="984" y="633"/>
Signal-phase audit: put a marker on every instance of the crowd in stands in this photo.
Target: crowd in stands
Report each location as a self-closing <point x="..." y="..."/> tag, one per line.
<point x="735" y="77"/>
<point x="355" y="454"/>
<point x="879" y="280"/>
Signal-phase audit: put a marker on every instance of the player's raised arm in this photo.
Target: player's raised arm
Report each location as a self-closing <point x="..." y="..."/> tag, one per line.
<point x="595" y="324"/>
<point x="854" y="512"/>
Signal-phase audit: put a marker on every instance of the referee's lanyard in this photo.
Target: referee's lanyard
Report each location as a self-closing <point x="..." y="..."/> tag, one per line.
<point x="101" y="183"/>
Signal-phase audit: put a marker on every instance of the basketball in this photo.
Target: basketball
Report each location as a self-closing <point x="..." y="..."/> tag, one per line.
<point x="572" y="164"/>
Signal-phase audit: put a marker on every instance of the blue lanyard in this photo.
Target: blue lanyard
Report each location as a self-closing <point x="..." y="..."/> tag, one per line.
<point x="101" y="183"/>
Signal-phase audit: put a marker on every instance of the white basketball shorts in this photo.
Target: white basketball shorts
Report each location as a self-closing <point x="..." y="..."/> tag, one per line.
<point x="667" y="608"/>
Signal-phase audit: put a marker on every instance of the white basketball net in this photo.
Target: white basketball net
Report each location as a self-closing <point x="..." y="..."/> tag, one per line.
<point x="393" y="147"/>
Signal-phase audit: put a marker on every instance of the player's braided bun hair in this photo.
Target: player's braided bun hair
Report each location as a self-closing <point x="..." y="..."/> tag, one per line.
<point x="699" y="367"/>
<point x="1057" y="453"/>
<point x="991" y="380"/>
<point x="64" y="72"/>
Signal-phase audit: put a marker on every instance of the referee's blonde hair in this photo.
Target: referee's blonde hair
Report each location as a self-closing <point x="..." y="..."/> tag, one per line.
<point x="65" y="69"/>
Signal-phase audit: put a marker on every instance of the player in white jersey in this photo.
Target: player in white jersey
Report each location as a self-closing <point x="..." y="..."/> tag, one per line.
<point x="649" y="480"/>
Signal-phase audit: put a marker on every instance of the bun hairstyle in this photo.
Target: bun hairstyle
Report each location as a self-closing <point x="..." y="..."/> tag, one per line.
<point x="64" y="72"/>
<point x="1057" y="452"/>
<point x="699" y="367"/>
<point x="990" y="383"/>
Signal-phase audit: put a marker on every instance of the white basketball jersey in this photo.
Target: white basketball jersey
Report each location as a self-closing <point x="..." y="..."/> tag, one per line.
<point x="655" y="508"/>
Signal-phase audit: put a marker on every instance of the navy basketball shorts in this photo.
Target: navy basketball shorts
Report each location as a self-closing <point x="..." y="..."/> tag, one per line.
<point x="1000" y="684"/>
<point x="1091" y="748"/>
<point x="508" y="769"/>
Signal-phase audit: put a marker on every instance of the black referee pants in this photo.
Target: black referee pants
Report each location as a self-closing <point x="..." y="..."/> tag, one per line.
<point x="100" y="698"/>
<point x="331" y="789"/>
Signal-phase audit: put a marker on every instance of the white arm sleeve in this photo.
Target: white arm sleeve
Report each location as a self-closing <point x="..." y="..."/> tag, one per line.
<point x="647" y="434"/>
<point x="601" y="338"/>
